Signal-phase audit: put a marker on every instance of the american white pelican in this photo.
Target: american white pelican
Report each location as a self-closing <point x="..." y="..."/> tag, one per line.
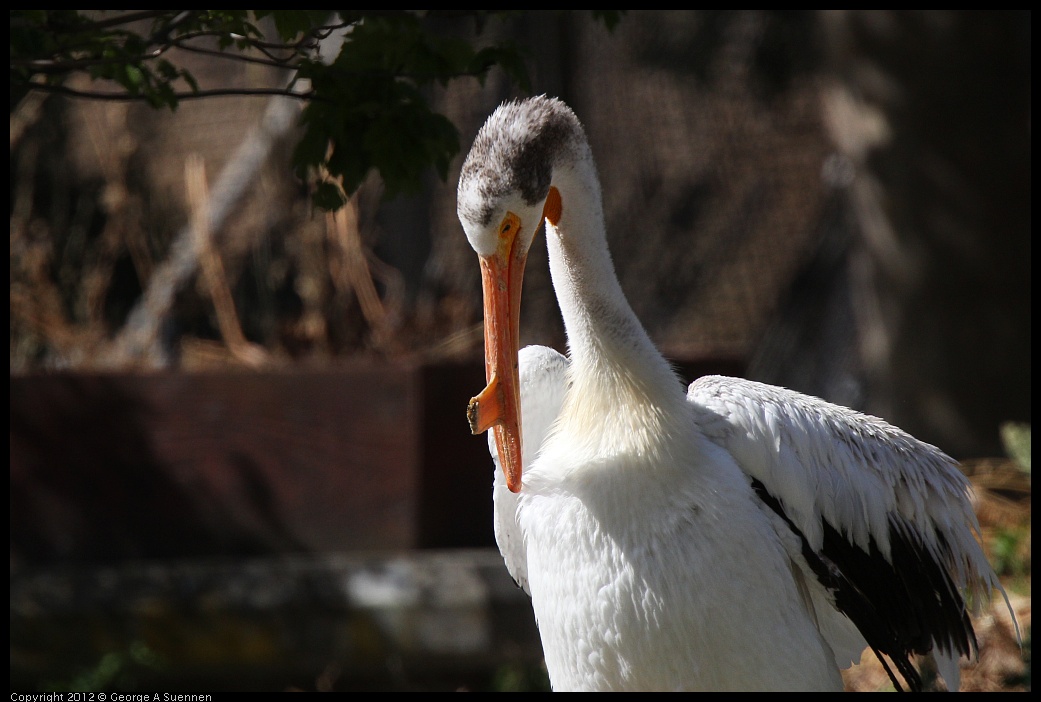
<point x="738" y="536"/>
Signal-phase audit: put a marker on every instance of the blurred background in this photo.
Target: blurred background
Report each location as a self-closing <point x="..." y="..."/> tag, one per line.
<point x="239" y="455"/>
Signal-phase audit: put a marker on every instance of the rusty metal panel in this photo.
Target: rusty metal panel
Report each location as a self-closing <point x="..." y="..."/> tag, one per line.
<point x="116" y="466"/>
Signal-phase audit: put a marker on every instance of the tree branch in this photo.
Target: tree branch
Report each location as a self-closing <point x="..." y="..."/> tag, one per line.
<point x="271" y="61"/>
<point x="124" y="19"/>
<point x="222" y="92"/>
<point x="52" y="67"/>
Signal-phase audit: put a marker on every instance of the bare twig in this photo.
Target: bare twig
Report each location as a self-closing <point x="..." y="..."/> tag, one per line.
<point x="457" y="343"/>
<point x="271" y="60"/>
<point x="213" y="269"/>
<point x="25" y="114"/>
<point x="139" y="338"/>
<point x="113" y="156"/>
<point x="219" y="92"/>
<point x="343" y="224"/>
<point x="35" y="299"/>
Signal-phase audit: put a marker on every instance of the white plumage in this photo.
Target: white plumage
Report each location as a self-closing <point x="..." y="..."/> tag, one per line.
<point x="738" y="536"/>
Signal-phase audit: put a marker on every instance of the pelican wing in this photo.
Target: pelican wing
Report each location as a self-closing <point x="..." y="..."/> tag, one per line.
<point x="885" y="521"/>
<point x="542" y="386"/>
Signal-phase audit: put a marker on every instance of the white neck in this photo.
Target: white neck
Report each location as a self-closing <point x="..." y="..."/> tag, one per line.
<point x="614" y="365"/>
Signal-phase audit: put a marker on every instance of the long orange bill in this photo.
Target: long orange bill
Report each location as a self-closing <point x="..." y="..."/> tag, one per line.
<point x="497" y="407"/>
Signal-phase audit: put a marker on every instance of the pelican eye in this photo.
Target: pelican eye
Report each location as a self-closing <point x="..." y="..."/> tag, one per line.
<point x="510" y="226"/>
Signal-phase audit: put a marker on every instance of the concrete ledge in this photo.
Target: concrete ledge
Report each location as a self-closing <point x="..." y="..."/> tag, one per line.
<point x="410" y="620"/>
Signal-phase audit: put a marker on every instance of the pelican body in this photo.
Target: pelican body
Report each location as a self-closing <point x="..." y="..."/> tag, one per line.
<point x="733" y="536"/>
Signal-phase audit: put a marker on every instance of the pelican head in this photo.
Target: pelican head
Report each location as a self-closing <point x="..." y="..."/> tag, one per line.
<point x="505" y="192"/>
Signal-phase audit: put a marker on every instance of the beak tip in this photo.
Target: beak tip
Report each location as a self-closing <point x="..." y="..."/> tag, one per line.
<point x="471" y="415"/>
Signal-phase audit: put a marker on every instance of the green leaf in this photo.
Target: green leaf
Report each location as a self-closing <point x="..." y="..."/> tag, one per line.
<point x="368" y="109"/>
<point x="133" y="79"/>
<point x="1016" y="438"/>
<point x="190" y="80"/>
<point x="610" y="18"/>
<point x="291" y="24"/>
<point x="509" y="58"/>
